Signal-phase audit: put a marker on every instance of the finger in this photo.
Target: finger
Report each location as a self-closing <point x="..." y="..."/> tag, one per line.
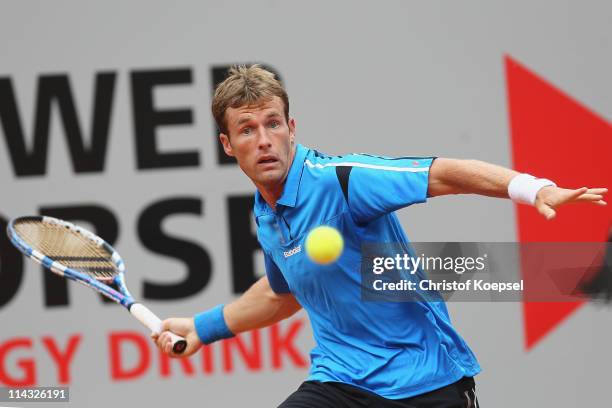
<point x="567" y="196"/>
<point x="597" y="190"/>
<point x="163" y="340"/>
<point x="165" y="326"/>
<point x="600" y="202"/>
<point x="573" y="194"/>
<point x="158" y="344"/>
<point x="589" y="197"/>
<point x="546" y="211"/>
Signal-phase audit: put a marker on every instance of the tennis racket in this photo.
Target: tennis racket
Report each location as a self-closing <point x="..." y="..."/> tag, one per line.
<point x="77" y="254"/>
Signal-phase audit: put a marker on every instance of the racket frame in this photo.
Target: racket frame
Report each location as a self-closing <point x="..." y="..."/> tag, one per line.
<point x="122" y="296"/>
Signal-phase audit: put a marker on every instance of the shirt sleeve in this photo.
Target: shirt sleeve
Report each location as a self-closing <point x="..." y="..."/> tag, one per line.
<point x="375" y="186"/>
<point x="275" y="277"/>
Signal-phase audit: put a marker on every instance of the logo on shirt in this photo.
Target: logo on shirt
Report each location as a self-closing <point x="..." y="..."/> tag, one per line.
<point x="292" y="251"/>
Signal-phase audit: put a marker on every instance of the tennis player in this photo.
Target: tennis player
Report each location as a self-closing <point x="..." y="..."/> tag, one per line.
<point x="383" y="354"/>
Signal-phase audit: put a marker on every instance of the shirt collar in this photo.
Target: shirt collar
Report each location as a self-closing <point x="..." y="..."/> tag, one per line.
<point x="291" y="186"/>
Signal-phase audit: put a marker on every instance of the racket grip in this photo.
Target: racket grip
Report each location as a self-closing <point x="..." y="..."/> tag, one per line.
<point x="154" y="323"/>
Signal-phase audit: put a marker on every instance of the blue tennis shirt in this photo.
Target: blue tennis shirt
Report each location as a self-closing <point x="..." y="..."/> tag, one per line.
<point x="394" y="349"/>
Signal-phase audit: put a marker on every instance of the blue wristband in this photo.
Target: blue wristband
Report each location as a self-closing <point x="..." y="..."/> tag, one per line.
<point x="210" y="325"/>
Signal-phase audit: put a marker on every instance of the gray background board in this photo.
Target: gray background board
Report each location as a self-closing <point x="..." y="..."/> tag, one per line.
<point x="389" y="78"/>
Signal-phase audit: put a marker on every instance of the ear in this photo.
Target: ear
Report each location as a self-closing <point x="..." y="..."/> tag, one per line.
<point x="227" y="146"/>
<point x="292" y="130"/>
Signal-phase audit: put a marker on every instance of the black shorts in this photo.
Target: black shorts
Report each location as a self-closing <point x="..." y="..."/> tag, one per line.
<point x="315" y="394"/>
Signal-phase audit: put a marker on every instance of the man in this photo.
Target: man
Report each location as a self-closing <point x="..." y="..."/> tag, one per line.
<point x="387" y="354"/>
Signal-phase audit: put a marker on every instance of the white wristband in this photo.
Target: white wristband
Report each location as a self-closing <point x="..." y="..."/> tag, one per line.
<point x="524" y="188"/>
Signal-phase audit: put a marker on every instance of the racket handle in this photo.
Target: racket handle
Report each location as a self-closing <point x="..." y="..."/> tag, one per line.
<point x="154" y="323"/>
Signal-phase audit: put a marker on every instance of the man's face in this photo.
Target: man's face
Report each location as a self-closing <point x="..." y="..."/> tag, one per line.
<point x="261" y="140"/>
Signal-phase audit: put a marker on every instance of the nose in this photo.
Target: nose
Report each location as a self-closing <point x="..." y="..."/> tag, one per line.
<point x="263" y="141"/>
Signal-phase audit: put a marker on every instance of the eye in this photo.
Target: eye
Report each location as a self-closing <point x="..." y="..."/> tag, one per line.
<point x="246" y="131"/>
<point x="274" y="124"/>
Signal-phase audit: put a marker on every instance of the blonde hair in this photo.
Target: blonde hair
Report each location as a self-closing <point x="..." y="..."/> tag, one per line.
<point x="246" y="86"/>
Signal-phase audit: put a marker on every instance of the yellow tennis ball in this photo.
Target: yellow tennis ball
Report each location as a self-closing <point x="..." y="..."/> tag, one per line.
<point x="324" y="245"/>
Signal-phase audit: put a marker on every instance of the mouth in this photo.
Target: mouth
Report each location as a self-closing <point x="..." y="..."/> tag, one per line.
<point x="267" y="160"/>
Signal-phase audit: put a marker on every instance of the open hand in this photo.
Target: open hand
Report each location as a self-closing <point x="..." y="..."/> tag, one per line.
<point x="550" y="197"/>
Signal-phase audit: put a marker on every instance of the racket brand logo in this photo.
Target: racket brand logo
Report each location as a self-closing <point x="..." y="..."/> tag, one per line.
<point x="293" y="251"/>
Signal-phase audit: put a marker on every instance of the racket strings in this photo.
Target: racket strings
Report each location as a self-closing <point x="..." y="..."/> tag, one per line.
<point x="68" y="247"/>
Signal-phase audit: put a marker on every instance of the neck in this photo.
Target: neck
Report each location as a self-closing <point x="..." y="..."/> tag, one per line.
<point x="271" y="194"/>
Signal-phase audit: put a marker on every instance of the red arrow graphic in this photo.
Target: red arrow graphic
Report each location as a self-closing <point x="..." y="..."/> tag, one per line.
<point x="556" y="137"/>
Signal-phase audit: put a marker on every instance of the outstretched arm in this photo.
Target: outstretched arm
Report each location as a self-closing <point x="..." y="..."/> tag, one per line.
<point x="453" y="176"/>
<point x="258" y="307"/>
